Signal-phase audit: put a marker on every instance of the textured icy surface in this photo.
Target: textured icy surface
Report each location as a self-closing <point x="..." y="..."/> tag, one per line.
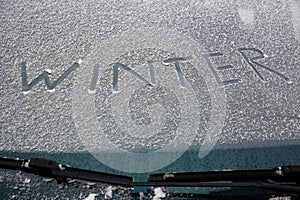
<point x="18" y="187"/>
<point x="52" y="35"/>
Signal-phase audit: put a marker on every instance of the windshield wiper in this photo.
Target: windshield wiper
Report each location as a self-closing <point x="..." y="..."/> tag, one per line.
<point x="52" y="169"/>
<point x="285" y="178"/>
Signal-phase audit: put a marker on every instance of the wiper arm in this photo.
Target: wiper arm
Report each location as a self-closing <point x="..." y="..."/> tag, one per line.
<point x="285" y="178"/>
<point x="50" y="168"/>
<point x="284" y="173"/>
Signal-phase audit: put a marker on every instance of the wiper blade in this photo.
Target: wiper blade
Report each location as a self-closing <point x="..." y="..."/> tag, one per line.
<point x="284" y="173"/>
<point x="50" y="168"/>
<point x="285" y="178"/>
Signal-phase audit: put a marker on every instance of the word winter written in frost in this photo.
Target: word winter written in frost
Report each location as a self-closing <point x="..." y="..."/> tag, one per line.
<point x="252" y="61"/>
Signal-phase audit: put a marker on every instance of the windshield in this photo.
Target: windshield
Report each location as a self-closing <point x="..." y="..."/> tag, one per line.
<point x="140" y="87"/>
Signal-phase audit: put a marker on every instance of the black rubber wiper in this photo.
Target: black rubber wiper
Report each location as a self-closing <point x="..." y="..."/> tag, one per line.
<point x="51" y="169"/>
<point x="284" y="173"/>
<point x="285" y="178"/>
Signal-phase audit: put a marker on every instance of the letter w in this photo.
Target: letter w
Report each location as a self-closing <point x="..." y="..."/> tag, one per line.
<point x="44" y="76"/>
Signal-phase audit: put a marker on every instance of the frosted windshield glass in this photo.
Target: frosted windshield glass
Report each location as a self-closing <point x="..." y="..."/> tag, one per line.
<point x="143" y="86"/>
